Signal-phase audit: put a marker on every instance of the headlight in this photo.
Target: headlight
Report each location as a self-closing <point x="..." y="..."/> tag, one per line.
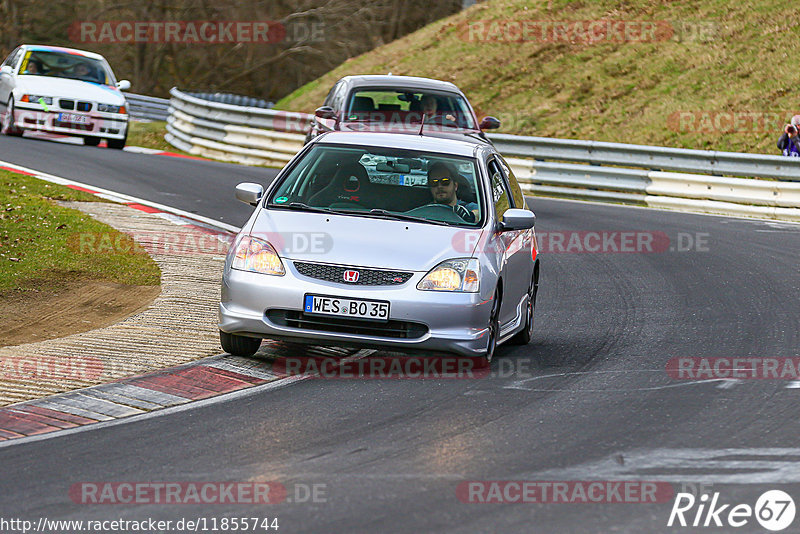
<point x="462" y="275"/>
<point x="36" y="99"/>
<point x="108" y="108"/>
<point x="258" y="256"/>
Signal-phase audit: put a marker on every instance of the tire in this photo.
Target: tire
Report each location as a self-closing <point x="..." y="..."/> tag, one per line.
<point x="118" y="144"/>
<point x="239" y="345"/>
<point x="485" y="360"/>
<point x="8" y="127"/>
<point x="91" y="141"/>
<point x="523" y="337"/>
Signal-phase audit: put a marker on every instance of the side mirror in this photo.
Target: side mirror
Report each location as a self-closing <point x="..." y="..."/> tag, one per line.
<point x="6" y="69"/>
<point x="123" y="85"/>
<point x="517" y="219"/>
<point x="325" y="112"/>
<point x="249" y="193"/>
<point x="490" y="123"/>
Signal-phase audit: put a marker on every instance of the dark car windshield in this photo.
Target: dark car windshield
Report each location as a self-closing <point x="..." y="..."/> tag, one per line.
<point x="383" y="182"/>
<point x="404" y="107"/>
<point x="65" y="65"/>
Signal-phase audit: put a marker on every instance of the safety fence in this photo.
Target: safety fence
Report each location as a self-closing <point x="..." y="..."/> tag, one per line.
<point x="726" y="183"/>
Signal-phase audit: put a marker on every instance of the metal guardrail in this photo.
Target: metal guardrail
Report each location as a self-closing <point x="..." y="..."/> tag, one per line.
<point x="250" y="135"/>
<point x="236" y="100"/>
<point x="588" y="170"/>
<point x="147" y="107"/>
<point x="649" y="157"/>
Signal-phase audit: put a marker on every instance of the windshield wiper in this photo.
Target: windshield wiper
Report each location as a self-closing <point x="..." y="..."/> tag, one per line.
<point x="404" y="217"/>
<point x="301" y="207"/>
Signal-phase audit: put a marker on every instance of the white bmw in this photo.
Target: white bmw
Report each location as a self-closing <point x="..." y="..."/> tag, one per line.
<point x="63" y="91"/>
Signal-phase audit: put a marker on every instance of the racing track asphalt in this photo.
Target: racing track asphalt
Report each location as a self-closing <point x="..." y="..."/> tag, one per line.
<point x="203" y="187"/>
<point x="588" y="399"/>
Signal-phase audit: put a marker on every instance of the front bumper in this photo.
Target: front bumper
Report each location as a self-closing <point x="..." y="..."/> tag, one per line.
<point x="255" y="305"/>
<point x="104" y="125"/>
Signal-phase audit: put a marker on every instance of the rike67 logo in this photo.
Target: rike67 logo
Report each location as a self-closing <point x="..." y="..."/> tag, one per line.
<point x="774" y="510"/>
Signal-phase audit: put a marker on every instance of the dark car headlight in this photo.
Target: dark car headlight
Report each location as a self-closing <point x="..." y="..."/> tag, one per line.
<point x="37" y="99"/>
<point x="108" y="108"/>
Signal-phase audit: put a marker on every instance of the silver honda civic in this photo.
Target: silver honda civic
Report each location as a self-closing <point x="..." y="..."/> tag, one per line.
<point x="391" y="241"/>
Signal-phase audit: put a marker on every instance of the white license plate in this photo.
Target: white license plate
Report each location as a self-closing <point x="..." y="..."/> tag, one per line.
<point x="74" y="118"/>
<point x="374" y="310"/>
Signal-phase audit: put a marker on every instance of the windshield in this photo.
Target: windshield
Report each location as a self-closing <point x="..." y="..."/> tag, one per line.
<point x="384" y="182"/>
<point x="66" y="65"/>
<point x="408" y="107"/>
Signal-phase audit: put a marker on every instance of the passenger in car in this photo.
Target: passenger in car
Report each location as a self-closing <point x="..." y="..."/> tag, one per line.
<point x="443" y="184"/>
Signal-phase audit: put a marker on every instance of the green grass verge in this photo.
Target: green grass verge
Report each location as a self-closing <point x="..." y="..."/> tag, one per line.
<point x="40" y="240"/>
<point x="723" y="57"/>
<point x="150" y="135"/>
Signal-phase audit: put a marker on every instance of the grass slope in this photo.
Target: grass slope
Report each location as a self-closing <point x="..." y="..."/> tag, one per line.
<point x="40" y="241"/>
<point x="719" y="75"/>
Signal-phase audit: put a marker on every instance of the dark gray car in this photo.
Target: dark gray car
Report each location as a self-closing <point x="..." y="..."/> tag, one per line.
<point x="398" y="104"/>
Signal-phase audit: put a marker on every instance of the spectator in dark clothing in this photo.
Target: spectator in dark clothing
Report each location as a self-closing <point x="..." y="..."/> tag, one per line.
<point x="789" y="142"/>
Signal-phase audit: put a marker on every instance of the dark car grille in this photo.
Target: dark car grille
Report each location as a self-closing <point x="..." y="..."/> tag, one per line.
<point x="322" y="323"/>
<point x="83" y="127"/>
<point x="366" y="277"/>
<point x="70" y="104"/>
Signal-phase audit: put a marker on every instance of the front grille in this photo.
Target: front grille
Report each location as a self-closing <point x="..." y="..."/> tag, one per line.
<point x="84" y="106"/>
<point x="66" y="104"/>
<point x="74" y="126"/>
<point x="366" y="277"/>
<point x="323" y="323"/>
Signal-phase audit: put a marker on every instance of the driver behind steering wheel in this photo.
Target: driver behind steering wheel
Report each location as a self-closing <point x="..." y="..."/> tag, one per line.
<point x="443" y="185"/>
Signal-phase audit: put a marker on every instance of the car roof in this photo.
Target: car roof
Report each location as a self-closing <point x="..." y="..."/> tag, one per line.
<point x="411" y="82"/>
<point x="73" y="51"/>
<point x="457" y="147"/>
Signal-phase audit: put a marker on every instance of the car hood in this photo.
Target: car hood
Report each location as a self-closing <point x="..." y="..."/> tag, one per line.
<point x="64" y="87"/>
<point x="363" y="241"/>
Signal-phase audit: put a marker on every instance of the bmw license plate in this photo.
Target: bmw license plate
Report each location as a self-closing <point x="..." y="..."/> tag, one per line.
<point x="373" y="310"/>
<point x="73" y="118"/>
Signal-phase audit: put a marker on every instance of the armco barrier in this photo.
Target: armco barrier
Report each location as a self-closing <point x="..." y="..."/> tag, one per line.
<point x="147" y="107"/>
<point x="250" y="135"/>
<point x="565" y="168"/>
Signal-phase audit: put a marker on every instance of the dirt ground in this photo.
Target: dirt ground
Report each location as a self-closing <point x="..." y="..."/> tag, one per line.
<point x="67" y="306"/>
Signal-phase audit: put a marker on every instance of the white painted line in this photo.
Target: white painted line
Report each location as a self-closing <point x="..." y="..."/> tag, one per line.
<point x="724" y="466"/>
<point x="140" y="393"/>
<point x="142" y="150"/>
<point x="728" y="383"/>
<point x="67" y="408"/>
<point x="794" y="384"/>
<point x="127" y="401"/>
<point x="107" y="421"/>
<point x="125" y="198"/>
<point x="254" y="371"/>
<point x="225" y="397"/>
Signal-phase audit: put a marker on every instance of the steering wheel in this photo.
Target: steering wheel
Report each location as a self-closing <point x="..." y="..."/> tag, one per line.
<point x="440" y="120"/>
<point x="439" y="212"/>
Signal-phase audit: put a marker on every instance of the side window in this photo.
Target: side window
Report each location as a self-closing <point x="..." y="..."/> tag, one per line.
<point x="338" y="98"/>
<point x="12" y="58"/>
<point x="499" y="191"/>
<point x="516" y="190"/>
<point x="329" y="98"/>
